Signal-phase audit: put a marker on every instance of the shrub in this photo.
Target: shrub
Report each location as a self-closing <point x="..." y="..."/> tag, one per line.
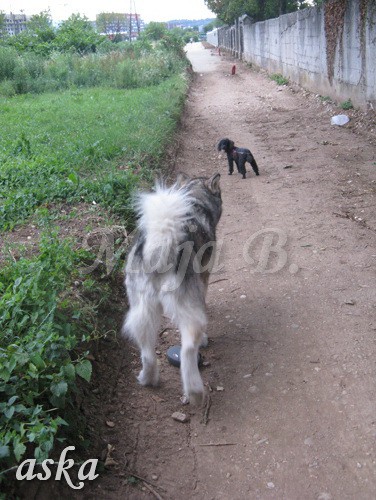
<point x="346" y="105"/>
<point x="7" y="88"/>
<point x="8" y="62"/>
<point x="37" y="370"/>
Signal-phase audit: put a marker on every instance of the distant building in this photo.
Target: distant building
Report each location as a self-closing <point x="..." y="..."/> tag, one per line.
<point x="15" y="23"/>
<point x="128" y="26"/>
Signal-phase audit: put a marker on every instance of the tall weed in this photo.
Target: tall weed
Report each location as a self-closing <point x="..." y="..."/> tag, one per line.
<point x="126" y="69"/>
<point x="8" y="62"/>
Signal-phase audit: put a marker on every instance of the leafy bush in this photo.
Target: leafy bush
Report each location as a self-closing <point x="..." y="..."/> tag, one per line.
<point x="8" y="62"/>
<point x="37" y="366"/>
<point x="77" y="34"/>
<point x="7" y="88"/>
<point x="346" y="105"/>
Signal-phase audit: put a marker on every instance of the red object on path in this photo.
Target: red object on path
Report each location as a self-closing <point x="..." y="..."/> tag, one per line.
<point x="233" y="71"/>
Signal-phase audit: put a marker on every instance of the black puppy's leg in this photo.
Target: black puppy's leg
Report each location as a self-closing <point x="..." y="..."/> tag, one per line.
<point x="239" y="162"/>
<point x="241" y="167"/>
<point x="254" y="166"/>
<point x="230" y="164"/>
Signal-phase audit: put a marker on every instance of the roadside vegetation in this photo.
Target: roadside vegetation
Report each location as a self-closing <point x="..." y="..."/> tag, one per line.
<point x="83" y="122"/>
<point x="279" y="79"/>
<point x="259" y="10"/>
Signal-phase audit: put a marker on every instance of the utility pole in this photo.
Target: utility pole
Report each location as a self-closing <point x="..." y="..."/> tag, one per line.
<point x="130" y="21"/>
<point x="136" y="18"/>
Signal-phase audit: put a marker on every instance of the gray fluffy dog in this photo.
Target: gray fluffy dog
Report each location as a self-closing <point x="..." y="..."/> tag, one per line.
<point x="167" y="272"/>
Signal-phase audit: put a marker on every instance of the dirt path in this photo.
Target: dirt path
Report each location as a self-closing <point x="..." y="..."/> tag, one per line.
<point x="291" y="361"/>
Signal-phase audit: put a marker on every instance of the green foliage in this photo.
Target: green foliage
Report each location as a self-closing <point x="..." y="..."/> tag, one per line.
<point x="77" y="34"/>
<point x="131" y="65"/>
<point x="37" y="38"/>
<point x="40" y="25"/>
<point x="214" y="24"/>
<point x="279" y="79"/>
<point x="155" y="31"/>
<point x="86" y="133"/>
<point x="3" y="25"/>
<point x="81" y="145"/>
<point x="259" y="10"/>
<point x="112" y="22"/>
<point x="8" y="62"/>
<point x="346" y="105"/>
<point x="38" y="369"/>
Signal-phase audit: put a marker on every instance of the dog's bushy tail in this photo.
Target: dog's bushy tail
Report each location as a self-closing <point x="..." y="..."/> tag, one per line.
<point x="163" y="216"/>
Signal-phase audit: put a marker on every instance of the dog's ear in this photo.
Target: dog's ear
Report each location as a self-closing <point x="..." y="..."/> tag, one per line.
<point x="231" y="144"/>
<point x="182" y="179"/>
<point x="213" y="184"/>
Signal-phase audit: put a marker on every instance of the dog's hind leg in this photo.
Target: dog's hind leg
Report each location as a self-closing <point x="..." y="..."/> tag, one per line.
<point x="141" y="325"/>
<point x="188" y="313"/>
<point x="242" y="169"/>
<point x="191" y="338"/>
<point x="192" y="335"/>
<point x="254" y="165"/>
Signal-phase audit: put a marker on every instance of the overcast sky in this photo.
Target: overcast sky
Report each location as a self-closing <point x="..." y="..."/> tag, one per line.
<point x="149" y="10"/>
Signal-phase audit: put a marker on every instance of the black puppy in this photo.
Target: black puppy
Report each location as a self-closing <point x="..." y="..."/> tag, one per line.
<point x="239" y="155"/>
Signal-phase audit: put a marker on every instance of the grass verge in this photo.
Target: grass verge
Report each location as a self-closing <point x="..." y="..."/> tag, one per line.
<point x="86" y="145"/>
<point x="75" y="147"/>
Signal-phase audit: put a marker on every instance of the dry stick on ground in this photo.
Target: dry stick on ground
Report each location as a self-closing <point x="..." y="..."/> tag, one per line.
<point x="13" y="257"/>
<point x="147" y="485"/>
<point x="205" y="416"/>
<point x="217" y="281"/>
<point x="218" y="444"/>
<point x="152" y="490"/>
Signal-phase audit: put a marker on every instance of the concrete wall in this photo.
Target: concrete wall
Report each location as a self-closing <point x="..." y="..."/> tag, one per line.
<point x="295" y="45"/>
<point x="212" y="37"/>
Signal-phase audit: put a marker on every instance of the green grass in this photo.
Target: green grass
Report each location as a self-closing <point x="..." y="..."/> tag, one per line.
<point x="79" y="145"/>
<point x="68" y="146"/>
<point x="346" y="105"/>
<point x="279" y="79"/>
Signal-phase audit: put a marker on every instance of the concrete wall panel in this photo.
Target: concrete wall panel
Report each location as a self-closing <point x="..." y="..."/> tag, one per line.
<point x="295" y="46"/>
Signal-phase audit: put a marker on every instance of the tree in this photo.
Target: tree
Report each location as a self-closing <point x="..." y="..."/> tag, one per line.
<point x="77" y="34"/>
<point x="212" y="25"/>
<point x="40" y="25"/>
<point x="112" y="23"/>
<point x="155" y="31"/>
<point x="259" y="10"/>
<point x="3" y="25"/>
<point x="37" y="37"/>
